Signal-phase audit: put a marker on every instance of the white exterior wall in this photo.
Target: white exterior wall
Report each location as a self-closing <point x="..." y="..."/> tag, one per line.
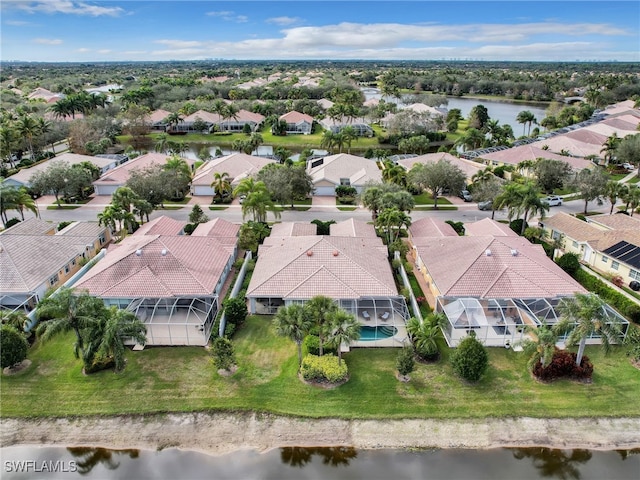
<point x="325" y="191"/>
<point x="106" y="189"/>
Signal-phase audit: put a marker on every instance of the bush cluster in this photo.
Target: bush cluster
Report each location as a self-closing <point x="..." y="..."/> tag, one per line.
<point x="311" y="345"/>
<point x="569" y="262"/>
<point x="323" y="369"/>
<point x="615" y="299"/>
<point x="470" y="360"/>
<point x="13" y="346"/>
<point x="563" y="365"/>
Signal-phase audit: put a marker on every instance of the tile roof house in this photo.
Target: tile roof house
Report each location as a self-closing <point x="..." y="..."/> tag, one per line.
<point x="237" y="165"/>
<point x="342" y="169"/>
<point x="118" y="176"/>
<point x="492" y="284"/>
<point x="35" y="258"/>
<point x="354" y="271"/>
<point x="172" y="282"/>
<point x="22" y="178"/>
<point x="469" y="167"/>
<point x="531" y="152"/>
<point x="156" y="120"/>
<point x="352" y="228"/>
<point x="293" y="229"/>
<point x="297" y="122"/>
<point x="595" y="240"/>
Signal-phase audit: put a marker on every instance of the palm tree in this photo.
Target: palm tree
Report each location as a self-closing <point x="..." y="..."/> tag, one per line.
<point x="44" y="127"/>
<point x="531" y="202"/>
<point x="328" y="140"/>
<point x="16" y="318"/>
<point x="105" y="338"/>
<point x="391" y="221"/>
<point x="541" y="346"/>
<point x="143" y="209"/>
<point x="292" y="322"/>
<point x="67" y="310"/>
<point x="8" y="200"/>
<point x="124" y="198"/>
<point x="511" y="198"/>
<point x="583" y="316"/>
<point x="348" y="136"/>
<point x="258" y="203"/>
<point x="318" y="309"/>
<point x="342" y="328"/>
<point x="173" y="119"/>
<point x="426" y="334"/>
<point x="526" y="117"/>
<point x="609" y="147"/>
<point x="24" y="200"/>
<point x="471" y="139"/>
<point x="221" y="184"/>
<point x="27" y="128"/>
<point x="162" y="143"/>
<point x="106" y="218"/>
<point x="249" y="185"/>
<point x="614" y="191"/>
<point x="230" y="112"/>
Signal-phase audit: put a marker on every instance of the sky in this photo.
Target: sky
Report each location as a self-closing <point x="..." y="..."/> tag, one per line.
<point x="94" y="31"/>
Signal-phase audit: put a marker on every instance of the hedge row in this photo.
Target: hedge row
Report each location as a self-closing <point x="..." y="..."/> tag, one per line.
<point x="323" y="369"/>
<point x="617" y="300"/>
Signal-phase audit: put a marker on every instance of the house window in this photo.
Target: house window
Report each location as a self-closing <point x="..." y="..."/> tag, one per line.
<point x="345" y="181"/>
<point x="575" y="244"/>
<point x="53" y="280"/>
<point x="614" y="265"/>
<point x="555" y="235"/>
<point x="66" y="269"/>
<point x="73" y="262"/>
<point x="634" y="274"/>
<point x="102" y="239"/>
<point x="604" y="259"/>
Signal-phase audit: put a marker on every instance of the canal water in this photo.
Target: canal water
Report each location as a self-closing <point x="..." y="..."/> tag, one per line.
<point x="299" y="463"/>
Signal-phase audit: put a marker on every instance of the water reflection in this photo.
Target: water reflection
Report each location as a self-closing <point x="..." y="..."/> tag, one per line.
<point x="332" y="456"/>
<point x="562" y="464"/>
<point x="89" y="457"/>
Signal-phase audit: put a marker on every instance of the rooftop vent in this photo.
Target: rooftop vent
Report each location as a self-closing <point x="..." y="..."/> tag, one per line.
<point x="163" y="252"/>
<point x="335" y="253"/>
<point x="514" y="252"/>
<point x="309" y="253"/>
<point x="139" y="252"/>
<point x="487" y="252"/>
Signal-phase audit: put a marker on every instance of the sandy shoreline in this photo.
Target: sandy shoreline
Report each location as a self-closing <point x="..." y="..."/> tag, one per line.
<point x="221" y="433"/>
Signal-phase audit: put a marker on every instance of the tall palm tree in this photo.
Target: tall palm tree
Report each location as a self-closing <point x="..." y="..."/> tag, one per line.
<point x="28" y="128"/>
<point x="526" y="117"/>
<point x="8" y="200"/>
<point x="585" y="315"/>
<point x="328" y="140"/>
<point x="472" y="139"/>
<point x="391" y="221"/>
<point x="162" y="143"/>
<point x="249" y="185"/>
<point x="23" y="200"/>
<point x="67" y="310"/>
<point x="426" y="334"/>
<point x="292" y="322"/>
<point x="348" y="135"/>
<point x="531" y="203"/>
<point x="540" y="346"/>
<point x="511" y="198"/>
<point x="44" y="128"/>
<point x="143" y="209"/>
<point x="614" y="191"/>
<point x="318" y="308"/>
<point x="124" y="198"/>
<point x="343" y="328"/>
<point x="609" y="147"/>
<point x="106" y="336"/>
<point x="173" y="119"/>
<point x="221" y="183"/>
<point x="259" y="203"/>
<point x="230" y="112"/>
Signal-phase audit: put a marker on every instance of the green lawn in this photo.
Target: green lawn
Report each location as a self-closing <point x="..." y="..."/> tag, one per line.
<point x="344" y="208"/>
<point x="63" y="207"/>
<point x="427" y="199"/>
<point x="183" y="379"/>
<point x="635" y="179"/>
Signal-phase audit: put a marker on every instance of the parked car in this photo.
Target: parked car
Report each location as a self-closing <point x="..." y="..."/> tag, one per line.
<point x="628" y="166"/>
<point x="553" y="200"/>
<point x="465" y="195"/>
<point x="488" y="205"/>
<point x="242" y="197"/>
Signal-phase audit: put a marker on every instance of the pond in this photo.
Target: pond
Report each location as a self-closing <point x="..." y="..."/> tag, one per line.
<point x="27" y="462"/>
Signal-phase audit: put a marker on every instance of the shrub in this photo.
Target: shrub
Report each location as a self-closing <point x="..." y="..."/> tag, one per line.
<point x="98" y="364"/>
<point x="398" y="246"/>
<point x="457" y="226"/>
<point x="11" y="222"/>
<point x="617" y="281"/>
<point x="223" y="354"/>
<point x="13" y="346"/>
<point x="516" y="225"/>
<point x="569" y="262"/>
<point x="405" y="363"/>
<point x="633" y="312"/>
<point x="189" y="228"/>
<point x="323" y="369"/>
<point x="563" y="365"/>
<point x="235" y="310"/>
<point x="311" y="345"/>
<point x="62" y="225"/>
<point x="470" y="360"/>
<point x="229" y="330"/>
<point x="612" y="297"/>
<point x="580" y="216"/>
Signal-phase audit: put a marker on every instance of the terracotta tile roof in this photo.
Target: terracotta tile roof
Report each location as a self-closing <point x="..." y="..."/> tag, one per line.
<point x="587" y="136"/>
<point x="425" y="229"/>
<point x="31" y="226"/>
<point x="293" y="229"/>
<point x="120" y="174"/>
<point x="28" y="261"/>
<point x="302" y="267"/>
<point x="204" y="116"/>
<point x="237" y="165"/>
<point x="358" y="170"/>
<point x="573" y="227"/>
<point x="422" y="108"/>
<point x="352" y="228"/>
<point x="226" y="232"/>
<point x="157" y="116"/>
<point x="24" y="175"/>
<point x="494" y="267"/>
<point x="616" y="222"/>
<point x="470" y="168"/>
<point x="246" y="116"/>
<point x="623" y="122"/>
<point x="613" y="237"/>
<point x="82" y="229"/>
<point x="533" y="151"/>
<point x="608" y="130"/>
<point x="296" y="117"/>
<point x="162" y="225"/>
<point x="166" y="266"/>
<point x="486" y="226"/>
<point x="325" y="103"/>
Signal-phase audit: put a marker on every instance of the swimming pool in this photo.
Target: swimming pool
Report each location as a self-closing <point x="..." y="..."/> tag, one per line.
<point x="368" y="334"/>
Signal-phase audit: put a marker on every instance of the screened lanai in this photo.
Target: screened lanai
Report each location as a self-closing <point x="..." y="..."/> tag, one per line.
<point x="501" y="322"/>
<point x="176" y="320"/>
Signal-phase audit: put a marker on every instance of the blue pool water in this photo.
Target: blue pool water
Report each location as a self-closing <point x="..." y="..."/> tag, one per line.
<point x="376" y="333"/>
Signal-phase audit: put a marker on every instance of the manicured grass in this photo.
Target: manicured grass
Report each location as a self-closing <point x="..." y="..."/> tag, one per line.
<point x="183" y="379"/>
<point x="635" y="179"/>
<point x="171" y="207"/>
<point x="184" y="201"/>
<point x="346" y="209"/>
<point x="444" y="207"/>
<point x="63" y="207"/>
<point x="427" y="199"/>
<point x="217" y="208"/>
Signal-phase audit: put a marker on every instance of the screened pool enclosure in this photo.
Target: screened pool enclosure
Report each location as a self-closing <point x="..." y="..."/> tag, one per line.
<point x="502" y="322"/>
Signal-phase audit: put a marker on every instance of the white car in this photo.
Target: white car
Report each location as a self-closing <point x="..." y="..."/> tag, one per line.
<point x="628" y="166"/>
<point x="553" y="200"/>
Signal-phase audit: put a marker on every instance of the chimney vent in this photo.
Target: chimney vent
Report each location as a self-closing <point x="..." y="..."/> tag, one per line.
<point x="487" y="252"/>
<point x="335" y="253"/>
<point x="163" y="252"/>
<point x="309" y="253"/>
<point x="514" y="252"/>
<point x="139" y="252"/>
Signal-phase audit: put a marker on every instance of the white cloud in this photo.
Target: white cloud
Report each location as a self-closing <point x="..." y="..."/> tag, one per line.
<point x="83" y="50"/>
<point x="47" y="41"/>
<point x="104" y="51"/>
<point x="18" y="23"/>
<point x="70" y="7"/>
<point x="229" y="16"/>
<point x="283" y="21"/>
<point x="180" y="44"/>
